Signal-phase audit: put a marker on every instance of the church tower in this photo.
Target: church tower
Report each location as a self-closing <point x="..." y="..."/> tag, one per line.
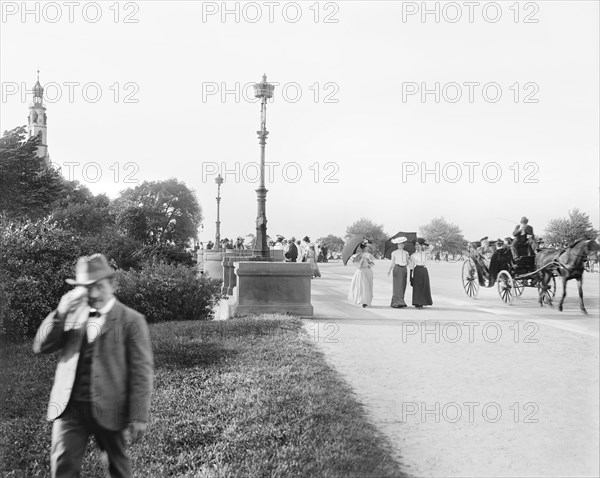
<point x="37" y="120"/>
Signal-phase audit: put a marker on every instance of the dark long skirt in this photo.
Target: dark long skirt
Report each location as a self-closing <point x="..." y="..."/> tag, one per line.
<point x="399" y="286"/>
<point x="421" y="290"/>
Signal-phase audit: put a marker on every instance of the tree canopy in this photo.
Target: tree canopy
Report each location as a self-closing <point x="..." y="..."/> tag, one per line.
<point x="563" y="231"/>
<point x="374" y="232"/>
<point x="444" y="235"/>
<point x="28" y="187"/>
<point x="159" y="213"/>
<point x="332" y="242"/>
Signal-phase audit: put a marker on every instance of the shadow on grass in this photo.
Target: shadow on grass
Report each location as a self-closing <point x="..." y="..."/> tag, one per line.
<point x="190" y="355"/>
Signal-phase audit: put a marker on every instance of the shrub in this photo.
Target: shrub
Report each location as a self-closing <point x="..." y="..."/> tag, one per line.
<point x="37" y="256"/>
<point x="166" y="292"/>
<point x="35" y="259"/>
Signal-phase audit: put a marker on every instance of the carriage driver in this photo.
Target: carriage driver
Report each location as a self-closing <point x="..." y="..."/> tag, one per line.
<point x="524" y="243"/>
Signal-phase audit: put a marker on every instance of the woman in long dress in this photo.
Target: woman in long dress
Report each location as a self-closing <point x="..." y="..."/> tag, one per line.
<point x="311" y="252"/>
<point x="419" y="277"/>
<point x="400" y="261"/>
<point x="361" y="288"/>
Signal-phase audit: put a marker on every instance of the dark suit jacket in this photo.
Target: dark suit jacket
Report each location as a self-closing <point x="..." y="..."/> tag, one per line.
<point x="292" y="252"/>
<point x="122" y="366"/>
<point x="523" y="237"/>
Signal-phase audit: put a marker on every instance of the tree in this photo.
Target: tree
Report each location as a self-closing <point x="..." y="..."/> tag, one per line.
<point x="333" y="243"/>
<point x="565" y="231"/>
<point x="83" y="212"/>
<point x="448" y="237"/>
<point x="28" y="187"/>
<point x="374" y="232"/>
<point x="159" y="213"/>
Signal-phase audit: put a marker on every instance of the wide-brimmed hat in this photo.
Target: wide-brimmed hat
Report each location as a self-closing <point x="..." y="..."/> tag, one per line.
<point x="90" y="269"/>
<point x="421" y="241"/>
<point x="485" y="238"/>
<point x="399" y="240"/>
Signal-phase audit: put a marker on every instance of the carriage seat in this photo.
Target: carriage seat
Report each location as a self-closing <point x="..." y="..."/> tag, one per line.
<point x="524" y="265"/>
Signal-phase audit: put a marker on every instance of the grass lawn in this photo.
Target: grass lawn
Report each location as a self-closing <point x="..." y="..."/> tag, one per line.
<point x="244" y="397"/>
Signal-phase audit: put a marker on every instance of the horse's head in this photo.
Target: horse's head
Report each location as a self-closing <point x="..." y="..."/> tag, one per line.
<point x="592" y="246"/>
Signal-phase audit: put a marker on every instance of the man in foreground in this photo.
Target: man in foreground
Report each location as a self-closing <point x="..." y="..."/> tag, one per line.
<point x="104" y="375"/>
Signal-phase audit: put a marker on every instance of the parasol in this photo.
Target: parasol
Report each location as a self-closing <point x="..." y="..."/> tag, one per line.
<point x="409" y="245"/>
<point x="350" y="247"/>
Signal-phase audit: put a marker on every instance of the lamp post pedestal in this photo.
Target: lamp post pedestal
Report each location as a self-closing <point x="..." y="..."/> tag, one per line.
<point x="271" y="288"/>
<point x="261" y="249"/>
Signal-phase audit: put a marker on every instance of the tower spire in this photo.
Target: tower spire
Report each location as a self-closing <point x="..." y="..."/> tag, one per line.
<point x="37" y="119"/>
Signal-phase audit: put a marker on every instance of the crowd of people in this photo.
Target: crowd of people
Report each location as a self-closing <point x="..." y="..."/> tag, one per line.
<point x="294" y="250"/>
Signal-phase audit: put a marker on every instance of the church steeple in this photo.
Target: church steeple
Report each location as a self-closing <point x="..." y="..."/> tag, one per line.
<point x="37" y="120"/>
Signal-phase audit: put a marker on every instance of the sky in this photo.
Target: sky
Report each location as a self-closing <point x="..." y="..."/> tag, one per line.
<point x="395" y="111"/>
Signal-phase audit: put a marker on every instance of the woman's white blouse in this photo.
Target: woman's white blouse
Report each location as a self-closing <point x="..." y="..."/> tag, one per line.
<point x="400" y="258"/>
<point x="420" y="258"/>
<point x="363" y="260"/>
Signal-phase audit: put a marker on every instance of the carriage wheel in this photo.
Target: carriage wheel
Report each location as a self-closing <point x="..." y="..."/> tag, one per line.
<point x="519" y="287"/>
<point x="506" y="287"/>
<point x="469" y="279"/>
<point x="550" y="291"/>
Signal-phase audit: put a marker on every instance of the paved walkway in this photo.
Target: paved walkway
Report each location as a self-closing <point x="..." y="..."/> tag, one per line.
<point x="469" y="387"/>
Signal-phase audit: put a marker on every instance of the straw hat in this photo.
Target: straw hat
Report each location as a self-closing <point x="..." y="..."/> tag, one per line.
<point x="91" y="269"/>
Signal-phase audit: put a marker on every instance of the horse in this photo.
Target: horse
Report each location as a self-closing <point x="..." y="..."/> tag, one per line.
<point x="569" y="263"/>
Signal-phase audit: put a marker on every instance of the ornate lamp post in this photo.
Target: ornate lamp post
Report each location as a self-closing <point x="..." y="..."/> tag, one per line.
<point x="264" y="91"/>
<point x="219" y="180"/>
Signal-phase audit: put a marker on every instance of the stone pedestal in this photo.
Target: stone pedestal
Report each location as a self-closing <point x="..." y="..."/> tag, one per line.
<point x="272" y="288"/>
<point x="212" y="264"/>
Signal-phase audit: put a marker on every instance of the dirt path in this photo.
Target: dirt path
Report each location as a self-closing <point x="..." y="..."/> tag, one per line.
<point x="470" y="388"/>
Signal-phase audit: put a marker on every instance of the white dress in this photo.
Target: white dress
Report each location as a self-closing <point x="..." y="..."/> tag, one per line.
<point x="361" y="288"/>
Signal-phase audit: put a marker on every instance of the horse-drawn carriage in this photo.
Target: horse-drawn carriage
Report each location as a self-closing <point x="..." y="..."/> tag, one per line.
<point x="510" y="276"/>
<point x="527" y="270"/>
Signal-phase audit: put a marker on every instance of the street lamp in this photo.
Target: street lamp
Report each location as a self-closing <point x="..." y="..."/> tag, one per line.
<point x="219" y="180"/>
<point x="264" y="91"/>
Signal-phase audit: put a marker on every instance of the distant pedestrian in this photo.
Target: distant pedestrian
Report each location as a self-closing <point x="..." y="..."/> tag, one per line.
<point x="311" y="253"/>
<point x="400" y="260"/>
<point x="278" y="246"/>
<point x="361" y="287"/>
<point x="419" y="277"/>
<point x="301" y="251"/>
<point x="291" y="253"/>
<point x="325" y="251"/>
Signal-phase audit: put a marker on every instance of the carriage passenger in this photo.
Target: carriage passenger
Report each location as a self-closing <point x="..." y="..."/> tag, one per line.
<point x="482" y="256"/>
<point x="484" y="249"/>
<point x="500" y="260"/>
